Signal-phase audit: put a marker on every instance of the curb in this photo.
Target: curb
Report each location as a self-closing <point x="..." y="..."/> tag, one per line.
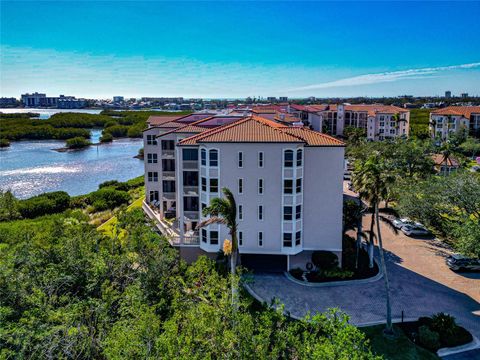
<point x="337" y="283"/>
<point x="473" y="345"/>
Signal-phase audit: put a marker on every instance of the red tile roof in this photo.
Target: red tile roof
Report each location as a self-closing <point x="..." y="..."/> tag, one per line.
<point x="465" y="111"/>
<point x="159" y="120"/>
<point x="439" y="160"/>
<point x="255" y="129"/>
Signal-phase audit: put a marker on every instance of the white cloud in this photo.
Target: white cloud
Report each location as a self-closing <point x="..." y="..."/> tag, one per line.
<point x="389" y="76"/>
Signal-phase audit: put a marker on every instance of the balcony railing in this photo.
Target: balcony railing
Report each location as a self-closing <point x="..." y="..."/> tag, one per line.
<point x="168" y="154"/>
<point x="191" y="215"/>
<point x="169" y="195"/>
<point x="190" y="190"/>
<point x="187" y="240"/>
<point x="168" y="175"/>
<point x="190" y="164"/>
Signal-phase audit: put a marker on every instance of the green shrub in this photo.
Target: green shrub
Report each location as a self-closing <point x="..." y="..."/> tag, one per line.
<point x="44" y="204"/>
<point x="337" y="273"/>
<point x="117" y="130"/>
<point x="109" y="183"/>
<point x="428" y="339"/>
<point x="135" y="131"/>
<point x="444" y="324"/>
<point x="324" y="260"/>
<point x="4" y="143"/>
<point x="106" y="137"/>
<point x="107" y="198"/>
<point x="459" y="336"/>
<point x="297" y="273"/>
<point x="77" y="143"/>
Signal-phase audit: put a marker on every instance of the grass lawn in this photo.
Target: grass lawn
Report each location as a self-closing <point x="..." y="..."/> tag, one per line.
<point x="400" y="348"/>
<point x="108" y="226"/>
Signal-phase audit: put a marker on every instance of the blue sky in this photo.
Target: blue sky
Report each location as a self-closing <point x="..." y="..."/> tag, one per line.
<point x="238" y="49"/>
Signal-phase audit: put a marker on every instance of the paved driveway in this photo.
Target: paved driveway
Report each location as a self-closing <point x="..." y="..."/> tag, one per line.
<point x="467" y="355"/>
<point x="421" y="284"/>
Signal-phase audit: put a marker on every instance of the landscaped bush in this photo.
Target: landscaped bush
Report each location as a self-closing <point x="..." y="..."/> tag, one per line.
<point x="297" y="273"/>
<point x="108" y="198"/>
<point x="44" y="204"/>
<point x="428" y="339"/>
<point x="338" y="273"/>
<point x="324" y="260"/>
<point x="77" y="143"/>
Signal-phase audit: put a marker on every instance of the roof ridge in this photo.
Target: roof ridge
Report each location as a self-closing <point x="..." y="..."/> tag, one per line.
<point x="216" y="129"/>
<point x="319" y="133"/>
<point x="184" y="126"/>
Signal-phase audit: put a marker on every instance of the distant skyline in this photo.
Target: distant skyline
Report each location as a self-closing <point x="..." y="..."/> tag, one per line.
<point x="239" y="49"/>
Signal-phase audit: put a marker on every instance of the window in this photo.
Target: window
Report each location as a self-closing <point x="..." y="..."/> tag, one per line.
<point x="168" y="165"/>
<point x="153" y="196"/>
<point x="204" y="184"/>
<point x="260" y="212"/>
<point x="204" y="235"/>
<point x="190" y="155"/>
<point x="240" y="238"/>
<point x="287" y="239"/>
<point x="287" y="213"/>
<point x="298" y="212"/>
<point x="203" y="206"/>
<point x="260" y="186"/>
<point x="298" y="238"/>
<point x="382" y="123"/>
<point x="213" y="157"/>
<point x="151" y="140"/>
<point x="190" y="178"/>
<point x="190" y="203"/>
<point x="392" y="131"/>
<point x="168" y="186"/>
<point x="214" y="185"/>
<point x="168" y="144"/>
<point x="299" y="157"/>
<point x="381" y="131"/>
<point x="288" y="186"/>
<point x="392" y="123"/>
<point x="213" y="237"/>
<point x="288" y="158"/>
<point x="152" y="176"/>
<point x="260" y="238"/>
<point x="203" y="156"/>
<point x="260" y="159"/>
<point x="299" y="186"/>
<point x="152" y="158"/>
<point x="240" y="159"/>
<point x="240" y="212"/>
<point x="240" y="186"/>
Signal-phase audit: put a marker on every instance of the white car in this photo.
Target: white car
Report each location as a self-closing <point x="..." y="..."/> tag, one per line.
<point x="399" y="223"/>
<point x="415" y="229"/>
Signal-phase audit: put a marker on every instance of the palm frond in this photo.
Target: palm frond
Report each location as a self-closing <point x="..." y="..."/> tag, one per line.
<point x="389" y="211"/>
<point x="211" y="220"/>
<point x="387" y="221"/>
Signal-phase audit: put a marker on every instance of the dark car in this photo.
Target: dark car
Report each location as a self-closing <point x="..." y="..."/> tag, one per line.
<point x="459" y="262"/>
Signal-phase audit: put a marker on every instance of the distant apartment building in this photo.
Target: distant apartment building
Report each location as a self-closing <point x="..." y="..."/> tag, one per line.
<point x="380" y="122"/>
<point x="118" y="99"/>
<point x="33" y="100"/>
<point x="61" y="102"/>
<point x="287" y="182"/>
<point x="8" y="101"/>
<point x="448" y="94"/>
<point x="453" y="119"/>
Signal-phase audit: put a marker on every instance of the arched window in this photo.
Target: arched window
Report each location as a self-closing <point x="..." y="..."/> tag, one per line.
<point x="213" y="157"/>
<point x="288" y="158"/>
<point x="299" y="157"/>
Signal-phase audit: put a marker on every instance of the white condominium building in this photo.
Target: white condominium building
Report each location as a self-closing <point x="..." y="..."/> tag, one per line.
<point x="454" y="119"/>
<point x="287" y="182"/>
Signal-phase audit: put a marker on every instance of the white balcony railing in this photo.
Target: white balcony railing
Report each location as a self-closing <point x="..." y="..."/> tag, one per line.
<point x="190" y="190"/>
<point x="168" y="175"/>
<point x="169" y="195"/>
<point x="168" y="154"/>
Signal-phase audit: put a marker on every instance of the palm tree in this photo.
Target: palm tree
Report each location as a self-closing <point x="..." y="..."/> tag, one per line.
<point x="373" y="180"/>
<point x="398" y="120"/>
<point x="224" y="211"/>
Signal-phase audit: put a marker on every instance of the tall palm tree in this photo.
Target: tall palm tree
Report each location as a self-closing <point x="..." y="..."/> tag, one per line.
<point x="373" y="179"/>
<point x="224" y="211"/>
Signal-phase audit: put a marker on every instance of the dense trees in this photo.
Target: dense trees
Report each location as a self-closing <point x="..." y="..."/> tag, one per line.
<point x="67" y="291"/>
<point x="77" y="142"/>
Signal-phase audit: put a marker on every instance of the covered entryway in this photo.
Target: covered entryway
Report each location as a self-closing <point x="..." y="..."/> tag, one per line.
<point x="264" y="263"/>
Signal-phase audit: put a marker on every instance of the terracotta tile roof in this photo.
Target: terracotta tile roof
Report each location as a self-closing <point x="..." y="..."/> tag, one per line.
<point x="256" y="129"/>
<point x="298" y="107"/>
<point x="316" y="108"/>
<point x="159" y="120"/>
<point x="286" y="118"/>
<point x="200" y="125"/>
<point x="374" y="109"/>
<point x="465" y="111"/>
<point x="439" y="160"/>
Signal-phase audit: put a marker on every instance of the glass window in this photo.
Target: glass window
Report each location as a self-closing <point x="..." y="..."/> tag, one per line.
<point x="190" y="154"/>
<point x="240" y="159"/>
<point x="288" y="158"/>
<point x="190" y="203"/>
<point x="213" y="155"/>
<point x="152" y="176"/>
<point x="204" y="235"/>
<point x="203" y="206"/>
<point x="240" y="238"/>
<point x="153" y="196"/>
<point x="152" y="158"/>
<point x="168" y="165"/>
<point x="260" y="238"/>
<point x="240" y="212"/>
<point x="240" y="186"/>
<point x="287" y="213"/>
<point x="298" y="212"/>
<point x="214" y="185"/>
<point x="190" y="178"/>
<point x="260" y="212"/>
<point x="151" y="140"/>
<point x="299" y="157"/>
<point x="299" y="186"/>
<point x="260" y="159"/>
<point x="288" y="186"/>
<point x="203" y="155"/>
<point x="260" y="186"/>
<point x="287" y="239"/>
<point x="204" y="184"/>
<point x="168" y="144"/>
<point x="298" y="238"/>
<point x="214" y="237"/>
<point x="168" y="186"/>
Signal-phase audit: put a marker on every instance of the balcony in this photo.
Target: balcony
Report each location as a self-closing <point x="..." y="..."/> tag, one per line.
<point x="190" y="164"/>
<point x="191" y="215"/>
<point x="168" y="175"/>
<point x="169" y="195"/>
<point x="168" y="154"/>
<point x="190" y="190"/>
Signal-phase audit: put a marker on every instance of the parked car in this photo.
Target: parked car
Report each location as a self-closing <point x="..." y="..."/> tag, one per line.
<point x="399" y="223"/>
<point x="415" y="230"/>
<point x="459" y="262"/>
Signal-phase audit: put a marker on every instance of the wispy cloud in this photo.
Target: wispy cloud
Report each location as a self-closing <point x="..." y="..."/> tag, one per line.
<point x="388" y="76"/>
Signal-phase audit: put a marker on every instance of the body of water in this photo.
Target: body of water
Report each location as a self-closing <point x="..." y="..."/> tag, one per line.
<point x="30" y="168"/>
<point x="46" y="113"/>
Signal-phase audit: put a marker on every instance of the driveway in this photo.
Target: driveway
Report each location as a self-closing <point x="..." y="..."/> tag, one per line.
<point x="421" y="284"/>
